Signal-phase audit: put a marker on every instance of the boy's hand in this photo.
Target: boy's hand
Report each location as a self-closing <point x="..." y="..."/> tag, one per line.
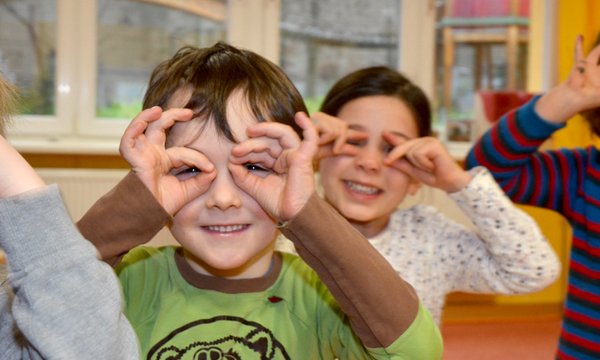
<point x="580" y="92"/>
<point x="16" y="175"/>
<point x="335" y="138"/>
<point x="286" y="180"/>
<point x="143" y="146"/>
<point x="427" y="161"/>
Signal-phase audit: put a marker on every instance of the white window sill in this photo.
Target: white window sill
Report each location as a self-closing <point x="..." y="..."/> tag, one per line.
<point x="55" y="145"/>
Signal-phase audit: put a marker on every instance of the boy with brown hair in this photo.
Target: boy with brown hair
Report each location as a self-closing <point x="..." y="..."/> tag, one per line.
<point x="231" y="178"/>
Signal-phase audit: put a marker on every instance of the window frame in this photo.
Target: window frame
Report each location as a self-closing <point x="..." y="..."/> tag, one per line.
<point x="249" y="24"/>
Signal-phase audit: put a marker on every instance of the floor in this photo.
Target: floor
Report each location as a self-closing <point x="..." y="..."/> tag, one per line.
<point x="531" y="336"/>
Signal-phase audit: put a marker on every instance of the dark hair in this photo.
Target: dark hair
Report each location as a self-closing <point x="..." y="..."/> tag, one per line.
<point x="214" y="73"/>
<point x="380" y="80"/>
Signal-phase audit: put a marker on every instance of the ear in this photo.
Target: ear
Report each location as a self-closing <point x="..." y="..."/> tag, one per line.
<point x="413" y="187"/>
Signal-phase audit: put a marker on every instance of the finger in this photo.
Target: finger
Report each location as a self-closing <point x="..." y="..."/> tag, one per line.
<point x="580" y="62"/>
<point x="310" y="136"/>
<point x="393" y="138"/>
<point x="347" y="150"/>
<point x="579" y="49"/>
<point x="328" y="127"/>
<point x="247" y="181"/>
<point x="593" y="57"/>
<point x="156" y="130"/>
<point x="325" y="137"/>
<point x="137" y="127"/>
<point x="324" y="151"/>
<point x="399" y="151"/>
<point x="284" y="134"/>
<point x="339" y="142"/>
<point x="421" y="160"/>
<point x="181" y="156"/>
<point x="414" y="173"/>
<point x="259" y="144"/>
<point x="262" y="159"/>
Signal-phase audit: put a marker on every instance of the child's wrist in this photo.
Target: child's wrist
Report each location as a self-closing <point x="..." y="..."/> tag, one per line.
<point x="558" y="105"/>
<point x="461" y="182"/>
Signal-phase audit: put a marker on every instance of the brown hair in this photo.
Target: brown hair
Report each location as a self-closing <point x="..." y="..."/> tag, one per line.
<point x="8" y="101"/>
<point x="380" y="80"/>
<point x="214" y="73"/>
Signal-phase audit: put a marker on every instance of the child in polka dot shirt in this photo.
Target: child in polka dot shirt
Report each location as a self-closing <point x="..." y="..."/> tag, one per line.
<point x="375" y="150"/>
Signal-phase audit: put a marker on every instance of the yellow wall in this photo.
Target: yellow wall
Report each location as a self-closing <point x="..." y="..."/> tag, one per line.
<point x="572" y="19"/>
<point x="575" y="18"/>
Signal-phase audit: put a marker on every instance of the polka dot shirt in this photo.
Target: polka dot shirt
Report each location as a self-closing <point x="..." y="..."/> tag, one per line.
<point x="507" y="254"/>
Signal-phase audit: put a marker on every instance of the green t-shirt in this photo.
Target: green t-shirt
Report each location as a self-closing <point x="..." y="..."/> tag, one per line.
<point x="296" y="317"/>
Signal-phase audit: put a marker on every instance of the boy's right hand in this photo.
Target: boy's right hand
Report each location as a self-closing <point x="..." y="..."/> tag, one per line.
<point x="335" y="137"/>
<point x="580" y="92"/>
<point x="143" y="146"/>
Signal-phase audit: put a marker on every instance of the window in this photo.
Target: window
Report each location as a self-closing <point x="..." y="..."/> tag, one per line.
<point x="132" y="38"/>
<point x="323" y="40"/>
<point x="483" y="45"/>
<point x="28" y="52"/>
<point x="82" y="66"/>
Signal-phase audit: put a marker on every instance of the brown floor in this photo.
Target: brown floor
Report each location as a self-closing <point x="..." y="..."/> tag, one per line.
<point x="529" y="336"/>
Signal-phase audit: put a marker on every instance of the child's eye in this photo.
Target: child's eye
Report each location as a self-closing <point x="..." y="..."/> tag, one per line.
<point x="254" y="167"/>
<point x="355" y="142"/>
<point x="387" y="148"/>
<point x="186" y="173"/>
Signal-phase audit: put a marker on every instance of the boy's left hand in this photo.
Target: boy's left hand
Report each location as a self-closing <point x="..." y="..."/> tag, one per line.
<point x="288" y="182"/>
<point x="426" y="160"/>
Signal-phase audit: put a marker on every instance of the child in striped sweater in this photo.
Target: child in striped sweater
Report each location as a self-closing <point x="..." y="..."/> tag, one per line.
<point x="565" y="180"/>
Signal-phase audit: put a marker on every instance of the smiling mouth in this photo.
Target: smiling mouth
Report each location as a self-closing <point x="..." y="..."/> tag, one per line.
<point x="362" y="189"/>
<point x="225" y="229"/>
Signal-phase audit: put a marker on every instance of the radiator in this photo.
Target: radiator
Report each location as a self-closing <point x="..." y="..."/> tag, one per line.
<point x="80" y="188"/>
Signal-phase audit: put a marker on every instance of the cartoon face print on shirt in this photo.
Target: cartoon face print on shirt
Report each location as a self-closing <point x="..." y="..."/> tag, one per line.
<point x="212" y="339"/>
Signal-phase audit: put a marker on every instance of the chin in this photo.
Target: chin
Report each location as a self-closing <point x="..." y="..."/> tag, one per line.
<point x="359" y="216"/>
<point x="227" y="262"/>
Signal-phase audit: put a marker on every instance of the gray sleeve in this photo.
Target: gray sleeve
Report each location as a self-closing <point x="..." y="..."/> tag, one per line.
<point x="63" y="300"/>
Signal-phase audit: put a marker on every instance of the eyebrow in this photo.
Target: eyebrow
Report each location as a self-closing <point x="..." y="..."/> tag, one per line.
<point x="397" y="133"/>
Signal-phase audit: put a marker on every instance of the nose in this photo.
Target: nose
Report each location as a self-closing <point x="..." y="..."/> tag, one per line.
<point x="223" y="192"/>
<point x="369" y="160"/>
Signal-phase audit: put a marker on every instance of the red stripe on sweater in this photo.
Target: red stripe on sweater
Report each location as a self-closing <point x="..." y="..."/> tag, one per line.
<point x="585" y="246"/>
<point x="582" y="294"/>
<point x="500" y="149"/>
<point x="521" y="139"/>
<point x="581" y="341"/>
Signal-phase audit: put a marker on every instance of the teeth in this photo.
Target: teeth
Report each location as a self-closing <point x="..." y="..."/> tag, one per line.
<point x="225" y="228"/>
<point x="368" y="190"/>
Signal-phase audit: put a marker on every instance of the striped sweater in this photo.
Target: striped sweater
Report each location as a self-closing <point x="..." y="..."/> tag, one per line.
<point x="566" y="181"/>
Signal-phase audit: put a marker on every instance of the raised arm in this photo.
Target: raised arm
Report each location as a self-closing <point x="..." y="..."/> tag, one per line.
<point x="382" y="312"/>
<point x="510" y="148"/>
<point x="506" y="254"/>
<point x="140" y="205"/>
<point x="60" y="301"/>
